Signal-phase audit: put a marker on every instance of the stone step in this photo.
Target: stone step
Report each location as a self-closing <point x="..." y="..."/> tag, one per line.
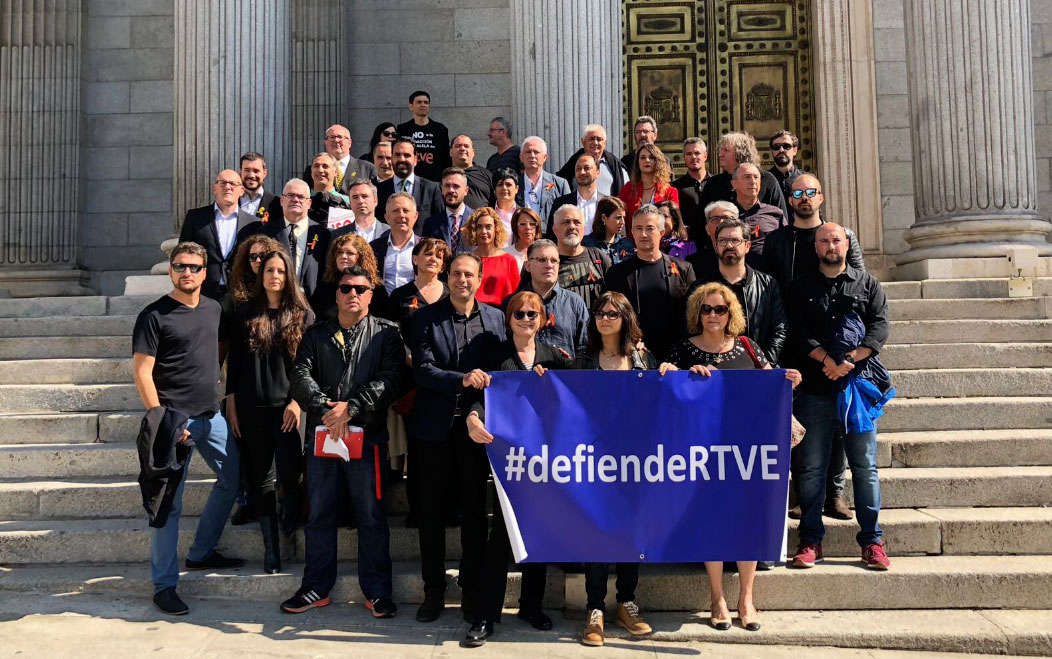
<point x="974" y="308"/>
<point x="63" y="347"/>
<point x="69" y="326"/>
<point x="972" y="382"/>
<point x="915" y="414"/>
<point x="69" y="427"/>
<point x="115" y="370"/>
<point x="62" y="461"/>
<point x="907" y="532"/>
<point x="967" y="355"/>
<point x="969" y="331"/>
<point x="67" y="397"/>
<point x="967" y="448"/>
<point x="44" y="307"/>
<point x="927" y="487"/>
<point x="929" y="582"/>
<point x="958" y="288"/>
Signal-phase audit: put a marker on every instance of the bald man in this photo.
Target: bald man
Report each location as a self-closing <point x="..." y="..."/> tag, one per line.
<point x="821" y="304"/>
<point x="348" y="168"/>
<point x="216" y="227"/>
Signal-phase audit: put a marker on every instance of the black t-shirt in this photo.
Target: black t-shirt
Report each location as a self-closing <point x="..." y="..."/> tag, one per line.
<point x="584" y="274"/>
<point x="185" y="343"/>
<point x="432" y="147"/>
<point x="509" y="159"/>
<point x="259" y="379"/>
<point x="806" y="259"/>
<point x="656" y="308"/>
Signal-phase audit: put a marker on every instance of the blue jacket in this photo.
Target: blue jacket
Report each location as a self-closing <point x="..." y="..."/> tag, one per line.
<point x="566" y="324"/>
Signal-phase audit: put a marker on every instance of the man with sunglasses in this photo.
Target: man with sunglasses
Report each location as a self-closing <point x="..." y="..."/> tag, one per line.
<point x="345" y="377"/>
<point x="175" y="346"/>
<point x="784" y="147"/>
<point x="348" y="169"/>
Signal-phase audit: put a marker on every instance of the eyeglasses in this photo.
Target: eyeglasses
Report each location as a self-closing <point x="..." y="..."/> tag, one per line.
<point x="183" y="267"/>
<point x="719" y="310"/>
<point x="545" y="261"/>
<point x="292" y="196"/>
<point x="781" y="147"/>
<point x="228" y="184"/>
<point x="607" y="315"/>
<point x="720" y="218"/>
<point x="729" y="242"/>
<point x="337" y="138"/>
<point x="258" y="256"/>
<point x="526" y="315"/>
<point x="810" y="192"/>
<point x="360" y="289"/>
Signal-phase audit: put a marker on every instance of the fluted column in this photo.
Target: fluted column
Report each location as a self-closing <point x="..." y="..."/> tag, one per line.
<point x="972" y="129"/>
<point x="566" y="72"/>
<point x="40" y="50"/>
<point x="231" y="91"/>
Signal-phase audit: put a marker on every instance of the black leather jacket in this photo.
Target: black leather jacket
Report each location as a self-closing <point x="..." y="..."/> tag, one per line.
<point x="765" y="315"/>
<point x="366" y="373"/>
<point x="779" y="254"/>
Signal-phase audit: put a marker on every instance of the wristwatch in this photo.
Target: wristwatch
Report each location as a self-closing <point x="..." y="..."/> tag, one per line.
<point x="849" y="358"/>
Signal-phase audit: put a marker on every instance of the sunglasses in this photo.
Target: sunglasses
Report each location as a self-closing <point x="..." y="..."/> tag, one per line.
<point x="525" y="315"/>
<point x="810" y="192"/>
<point x="389" y="133"/>
<point x="607" y="315"/>
<point x="256" y="257"/>
<point x="360" y="289"/>
<point x="781" y="147"/>
<point x="183" y="267"/>
<point x="719" y="310"/>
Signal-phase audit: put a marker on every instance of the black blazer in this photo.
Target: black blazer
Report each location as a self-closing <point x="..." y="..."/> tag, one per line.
<point x="357" y="170"/>
<point x="318" y="239"/>
<point x="427" y="193"/>
<point x="437" y="226"/>
<point x="199" y="226"/>
<point x="437" y="369"/>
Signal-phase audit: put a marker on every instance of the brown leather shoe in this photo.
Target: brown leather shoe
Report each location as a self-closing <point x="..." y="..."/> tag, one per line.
<point x="629" y="618"/>
<point x="837" y="509"/>
<point x="594" y="634"/>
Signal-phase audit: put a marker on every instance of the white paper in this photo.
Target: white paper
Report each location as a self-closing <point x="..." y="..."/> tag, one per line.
<point x="339" y="217"/>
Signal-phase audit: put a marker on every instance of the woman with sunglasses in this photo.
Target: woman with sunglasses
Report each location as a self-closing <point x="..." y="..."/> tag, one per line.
<point x="608" y="230"/>
<point x="715" y="320"/>
<point x="525" y="228"/>
<point x="347" y="251"/>
<point x="384" y="132"/>
<point x="500" y="270"/>
<point x="521" y="352"/>
<point x="263" y="339"/>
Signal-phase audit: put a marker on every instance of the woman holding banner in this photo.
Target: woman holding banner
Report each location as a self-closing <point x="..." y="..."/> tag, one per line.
<point x="715" y="320"/>
<point x="521" y="352"/>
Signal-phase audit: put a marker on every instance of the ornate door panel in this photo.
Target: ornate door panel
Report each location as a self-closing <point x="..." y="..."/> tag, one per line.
<point x="707" y="67"/>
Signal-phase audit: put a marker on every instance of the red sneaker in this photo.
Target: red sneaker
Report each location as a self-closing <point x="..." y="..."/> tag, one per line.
<point x="874" y="557"/>
<point x="808" y="554"/>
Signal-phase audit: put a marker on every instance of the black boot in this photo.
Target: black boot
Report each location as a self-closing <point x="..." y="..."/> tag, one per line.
<point x="268" y="524"/>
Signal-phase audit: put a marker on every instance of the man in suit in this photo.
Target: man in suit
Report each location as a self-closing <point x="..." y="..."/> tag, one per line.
<point x="216" y="228"/>
<point x="363" y="203"/>
<point x="655" y="283"/>
<point x="349" y="169"/>
<point x="256" y="202"/>
<point x="450" y="340"/>
<point x="307" y="240"/>
<point x="586" y="194"/>
<point x="394" y="249"/>
<point x="537" y="188"/>
<point x="448" y="225"/>
<point x="427" y="194"/>
<point x="612" y="174"/>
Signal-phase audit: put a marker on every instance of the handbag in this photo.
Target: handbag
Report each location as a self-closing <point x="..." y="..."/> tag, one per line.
<point x="796" y="429"/>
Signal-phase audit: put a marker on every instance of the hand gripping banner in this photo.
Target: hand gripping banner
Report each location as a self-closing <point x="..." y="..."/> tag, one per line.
<point x="628" y="466"/>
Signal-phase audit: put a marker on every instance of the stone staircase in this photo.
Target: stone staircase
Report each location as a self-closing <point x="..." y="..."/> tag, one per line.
<point x="965" y="453"/>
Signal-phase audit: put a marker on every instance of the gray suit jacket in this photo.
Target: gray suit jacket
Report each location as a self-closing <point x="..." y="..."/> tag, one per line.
<point x="552" y="187"/>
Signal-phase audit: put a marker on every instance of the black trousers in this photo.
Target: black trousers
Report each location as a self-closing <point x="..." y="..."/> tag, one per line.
<point x="495" y="573"/>
<point x="436" y="462"/>
<point x="595" y="577"/>
<point x="270" y="457"/>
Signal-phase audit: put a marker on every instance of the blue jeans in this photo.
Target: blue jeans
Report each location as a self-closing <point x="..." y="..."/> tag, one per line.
<point x="818" y="415"/>
<point x="325" y="477"/>
<point x="210" y="435"/>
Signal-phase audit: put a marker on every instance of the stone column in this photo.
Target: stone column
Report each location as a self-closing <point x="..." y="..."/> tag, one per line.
<point x="40" y="51"/>
<point x="566" y="72"/>
<point x="231" y="92"/>
<point x="972" y="130"/>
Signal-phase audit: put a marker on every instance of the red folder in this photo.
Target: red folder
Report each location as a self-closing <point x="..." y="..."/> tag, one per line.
<point x="347" y="449"/>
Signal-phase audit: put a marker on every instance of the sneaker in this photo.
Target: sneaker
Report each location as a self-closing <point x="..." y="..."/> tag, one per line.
<point x="807" y="554"/>
<point x="837" y="509"/>
<point x="215" y="561"/>
<point x="874" y="557"/>
<point x="628" y="617"/>
<point x="168" y="601"/>
<point x="593" y="633"/>
<point x="382" y="607"/>
<point x="305" y="598"/>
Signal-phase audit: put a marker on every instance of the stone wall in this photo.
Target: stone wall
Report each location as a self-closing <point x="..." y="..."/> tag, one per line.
<point x="126" y="148"/>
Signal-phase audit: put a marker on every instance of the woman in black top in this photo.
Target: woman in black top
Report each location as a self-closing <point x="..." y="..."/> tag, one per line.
<point x="384" y="132"/>
<point x="264" y="337"/>
<point x="715" y="320"/>
<point x="521" y="352"/>
<point x="347" y="251"/>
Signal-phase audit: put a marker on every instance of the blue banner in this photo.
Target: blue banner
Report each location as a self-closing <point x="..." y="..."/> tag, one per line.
<point x="628" y="466"/>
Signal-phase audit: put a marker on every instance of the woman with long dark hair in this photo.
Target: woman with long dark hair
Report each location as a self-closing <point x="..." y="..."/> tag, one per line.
<point x="384" y="132"/>
<point x="608" y="230"/>
<point x="264" y="336"/>
<point x="650" y="182"/>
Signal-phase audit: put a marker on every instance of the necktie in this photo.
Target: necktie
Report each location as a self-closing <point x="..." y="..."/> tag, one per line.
<point x="339" y="176"/>
<point x="293" y="245"/>
<point x="454" y="233"/>
<point x="405" y="184"/>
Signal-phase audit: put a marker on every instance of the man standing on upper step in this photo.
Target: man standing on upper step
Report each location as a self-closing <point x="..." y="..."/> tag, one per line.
<point x="175" y="348"/>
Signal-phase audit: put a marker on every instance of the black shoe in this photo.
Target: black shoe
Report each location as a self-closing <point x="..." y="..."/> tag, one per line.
<point x="215" y="561"/>
<point x="433" y="605"/>
<point x="268" y="525"/>
<point x="305" y="598"/>
<point x="168" y="601"/>
<point x="765" y="566"/>
<point x="477" y="635"/>
<point x="382" y="607"/>
<point x="537" y="619"/>
<point x="411" y="521"/>
<point x="243" y="515"/>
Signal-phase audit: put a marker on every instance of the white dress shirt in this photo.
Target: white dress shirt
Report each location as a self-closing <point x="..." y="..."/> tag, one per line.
<point x="251" y="204"/>
<point x="226" y="226"/>
<point x="398" y="263"/>
<point x="587" y="207"/>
